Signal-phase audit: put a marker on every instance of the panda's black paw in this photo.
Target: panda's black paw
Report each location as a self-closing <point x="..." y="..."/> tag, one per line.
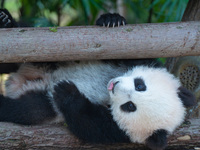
<point x="158" y="140"/>
<point x="6" y="20"/>
<point x="65" y="92"/>
<point x="64" y="89"/>
<point x="68" y="98"/>
<point x="111" y="20"/>
<point x="186" y="97"/>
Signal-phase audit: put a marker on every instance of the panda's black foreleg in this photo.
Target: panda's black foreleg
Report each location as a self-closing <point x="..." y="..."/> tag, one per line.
<point x="89" y="122"/>
<point x="32" y="108"/>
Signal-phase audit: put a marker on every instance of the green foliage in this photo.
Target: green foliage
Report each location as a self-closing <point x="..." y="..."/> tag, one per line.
<point x="163" y="10"/>
<point x="84" y="12"/>
<point x="162" y="60"/>
<point x="169" y="10"/>
<point x="53" y="29"/>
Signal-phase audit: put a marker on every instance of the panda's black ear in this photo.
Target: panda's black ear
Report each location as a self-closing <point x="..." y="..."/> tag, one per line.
<point x="186" y="96"/>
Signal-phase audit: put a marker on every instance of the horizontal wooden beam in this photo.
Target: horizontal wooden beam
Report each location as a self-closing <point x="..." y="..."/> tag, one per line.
<point x="56" y="136"/>
<point x="92" y="42"/>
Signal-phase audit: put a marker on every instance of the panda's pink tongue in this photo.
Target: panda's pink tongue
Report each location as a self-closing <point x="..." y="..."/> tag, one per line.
<point x="111" y="85"/>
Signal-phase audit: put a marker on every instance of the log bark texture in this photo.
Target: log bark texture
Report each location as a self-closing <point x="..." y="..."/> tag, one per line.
<point x="56" y="136"/>
<point x="80" y="43"/>
<point x="192" y="12"/>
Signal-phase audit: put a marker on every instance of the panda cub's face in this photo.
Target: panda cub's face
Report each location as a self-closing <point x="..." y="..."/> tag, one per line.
<point x="144" y="100"/>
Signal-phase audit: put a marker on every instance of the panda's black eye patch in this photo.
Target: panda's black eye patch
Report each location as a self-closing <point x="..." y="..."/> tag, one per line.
<point x="139" y="84"/>
<point x="128" y="107"/>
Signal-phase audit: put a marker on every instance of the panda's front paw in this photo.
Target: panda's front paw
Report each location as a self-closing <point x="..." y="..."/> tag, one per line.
<point x="64" y="89"/>
<point x="6" y="20"/>
<point x="64" y="93"/>
<point x="68" y="98"/>
<point x="111" y="20"/>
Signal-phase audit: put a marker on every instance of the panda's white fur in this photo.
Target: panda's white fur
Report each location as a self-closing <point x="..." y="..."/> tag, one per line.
<point x="158" y="107"/>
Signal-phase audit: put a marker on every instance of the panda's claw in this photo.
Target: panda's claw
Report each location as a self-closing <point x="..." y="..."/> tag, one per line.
<point x="2" y="14"/>
<point x="108" y="24"/>
<point x="8" y="22"/>
<point x="113" y="25"/>
<point x="4" y="19"/>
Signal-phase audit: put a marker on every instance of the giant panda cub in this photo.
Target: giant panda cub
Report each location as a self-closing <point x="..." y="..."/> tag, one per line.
<point x="146" y="105"/>
<point x="101" y="101"/>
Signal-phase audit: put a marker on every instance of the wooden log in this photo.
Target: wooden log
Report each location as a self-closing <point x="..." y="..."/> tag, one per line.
<point x="56" y="136"/>
<point x="80" y="43"/>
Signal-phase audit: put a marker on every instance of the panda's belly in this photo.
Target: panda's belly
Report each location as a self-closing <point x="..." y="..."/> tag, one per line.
<point x="91" y="78"/>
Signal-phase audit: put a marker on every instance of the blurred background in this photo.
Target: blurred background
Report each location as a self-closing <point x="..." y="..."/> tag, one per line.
<point x="42" y="13"/>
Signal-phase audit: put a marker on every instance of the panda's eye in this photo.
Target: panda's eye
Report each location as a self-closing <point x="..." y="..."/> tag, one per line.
<point x="128" y="107"/>
<point x="140" y="87"/>
<point x="139" y="84"/>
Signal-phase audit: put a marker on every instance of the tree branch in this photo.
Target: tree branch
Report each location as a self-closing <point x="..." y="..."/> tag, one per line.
<point x="79" y="43"/>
